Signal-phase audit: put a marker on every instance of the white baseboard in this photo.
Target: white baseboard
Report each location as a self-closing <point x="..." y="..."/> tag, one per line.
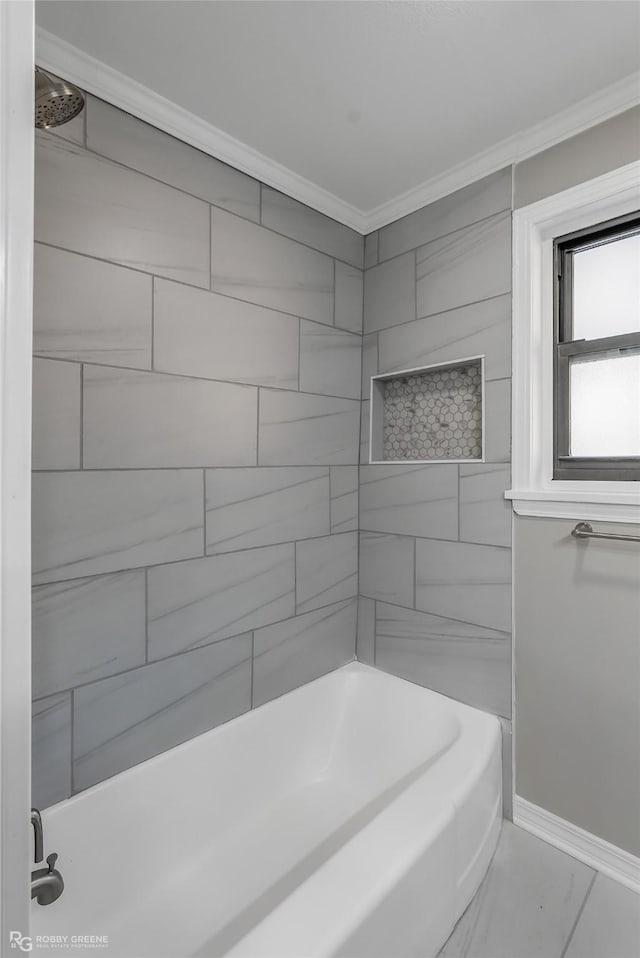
<point x="587" y="848"/>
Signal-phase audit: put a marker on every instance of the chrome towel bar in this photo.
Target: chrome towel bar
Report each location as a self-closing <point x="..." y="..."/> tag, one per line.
<point x="584" y="530"/>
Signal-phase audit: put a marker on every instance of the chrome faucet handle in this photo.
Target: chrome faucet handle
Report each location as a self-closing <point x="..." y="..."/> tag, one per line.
<point x="36" y="821"/>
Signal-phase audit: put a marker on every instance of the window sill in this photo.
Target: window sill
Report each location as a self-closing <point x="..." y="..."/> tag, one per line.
<point x="573" y="503"/>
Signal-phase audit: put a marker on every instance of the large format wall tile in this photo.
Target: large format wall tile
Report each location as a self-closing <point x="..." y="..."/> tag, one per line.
<point x="467" y="582"/>
<point x="366" y="632"/>
<point x="56" y="415"/>
<point x="145" y="420"/>
<point x="126" y="719"/>
<point x="371" y="250"/>
<point x="90" y="205"/>
<point x="259" y="266"/>
<point x="90" y="311"/>
<point x="410" y="500"/>
<point x="475" y="202"/>
<point x="51" y="750"/>
<point x="329" y="361"/>
<point x="471" y="264"/>
<point x="298" y="429"/>
<point x="87" y="629"/>
<point x="326" y="570"/>
<point x="198" y="333"/>
<point x="369" y="362"/>
<point x="497" y="414"/>
<point x="467" y="662"/>
<point x="390" y="293"/>
<point x="193" y="603"/>
<point x="256" y="507"/>
<point x="124" y="138"/>
<point x="286" y="215"/>
<point x="349" y="293"/>
<point x="387" y="567"/>
<point x="485" y="515"/>
<point x="344" y="498"/>
<point x="303" y="648"/>
<point x="90" y="522"/>
<point x="474" y="330"/>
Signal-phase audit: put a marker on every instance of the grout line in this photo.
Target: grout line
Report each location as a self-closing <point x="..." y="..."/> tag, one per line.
<point x="71" y="737"/>
<point x="204" y="512"/>
<point x="415" y="285"/>
<point x="375" y="631"/>
<point x="299" y="352"/>
<point x="211" y="247"/>
<point x="448" y="618"/>
<point x="146" y="616"/>
<point x="260" y="191"/>
<point x="295" y="578"/>
<point x="458" y="501"/>
<point x="257" y="465"/>
<point x="253" y="659"/>
<point x="415" y="570"/>
<point x="81" y="450"/>
<point x="334" y="293"/>
<point x="408" y="535"/>
<point x="578" y="916"/>
<point x="225" y="382"/>
<point x="153" y="323"/>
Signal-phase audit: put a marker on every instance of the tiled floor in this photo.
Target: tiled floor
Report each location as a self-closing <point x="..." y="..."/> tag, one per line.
<point x="538" y="902"/>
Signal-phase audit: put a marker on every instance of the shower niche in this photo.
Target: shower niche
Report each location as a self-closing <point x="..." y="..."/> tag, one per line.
<point x="429" y="414"/>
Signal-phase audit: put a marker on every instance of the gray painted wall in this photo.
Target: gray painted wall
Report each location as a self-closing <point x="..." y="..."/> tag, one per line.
<point x="577" y="620"/>
<point x="435" y="539"/>
<point x="577" y="605"/>
<point x="196" y="429"/>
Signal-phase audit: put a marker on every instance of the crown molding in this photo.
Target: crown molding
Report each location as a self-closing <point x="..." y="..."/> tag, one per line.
<point x="96" y="77"/>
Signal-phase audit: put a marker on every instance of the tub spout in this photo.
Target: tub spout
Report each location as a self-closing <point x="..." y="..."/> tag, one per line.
<point x="46" y="883"/>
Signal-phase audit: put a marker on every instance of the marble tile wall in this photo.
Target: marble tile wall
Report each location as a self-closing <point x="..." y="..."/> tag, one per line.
<point x="197" y="367"/>
<point x="435" y="539"/>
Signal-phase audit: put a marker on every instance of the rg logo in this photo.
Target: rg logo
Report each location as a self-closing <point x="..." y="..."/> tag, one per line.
<point x="22" y="942"/>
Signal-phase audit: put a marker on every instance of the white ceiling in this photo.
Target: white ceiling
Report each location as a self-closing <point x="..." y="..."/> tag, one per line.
<point x="365" y="99"/>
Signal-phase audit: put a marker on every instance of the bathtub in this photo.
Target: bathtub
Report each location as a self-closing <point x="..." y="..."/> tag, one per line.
<point x="355" y="816"/>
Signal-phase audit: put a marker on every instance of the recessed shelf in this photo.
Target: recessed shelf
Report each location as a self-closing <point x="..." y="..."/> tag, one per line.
<point x="429" y="414"/>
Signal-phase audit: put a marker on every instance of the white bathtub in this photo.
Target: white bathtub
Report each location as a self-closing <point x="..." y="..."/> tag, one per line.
<point x="355" y="816"/>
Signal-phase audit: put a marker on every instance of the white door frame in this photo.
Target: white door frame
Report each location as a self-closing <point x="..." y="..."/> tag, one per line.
<point x="16" y="296"/>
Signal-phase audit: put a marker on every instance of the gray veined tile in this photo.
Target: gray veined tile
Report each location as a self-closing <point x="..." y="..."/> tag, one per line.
<point x="458" y="580"/>
<point x="91" y="205"/>
<point x="56" y="415"/>
<point x="85" y="523"/>
<point x="364" y="431"/>
<point x="90" y="311"/>
<point x="303" y="648"/>
<point x="124" y="720"/>
<point x="609" y="924"/>
<point x="526" y="905"/>
<point x="497" y="412"/>
<point x="471" y="264"/>
<point x="410" y="500"/>
<point x="485" y="514"/>
<point x="390" y="293"/>
<point x="51" y="750"/>
<point x="349" y="297"/>
<point x="326" y="570"/>
<point x="252" y="263"/>
<point x="480" y="329"/>
<point x="87" y="629"/>
<point x="145" y="420"/>
<point x="475" y="202"/>
<point x="199" y="602"/>
<point x="304" y="224"/>
<point x="329" y="360"/>
<point x="198" y="333"/>
<point x="387" y="567"/>
<point x="371" y="250"/>
<point x="344" y="498"/>
<point x="246" y="508"/>
<point x="128" y="140"/>
<point x="366" y="634"/>
<point x="466" y="662"/>
<point x="507" y="768"/>
<point x="300" y="429"/>
<point x="369" y="362"/>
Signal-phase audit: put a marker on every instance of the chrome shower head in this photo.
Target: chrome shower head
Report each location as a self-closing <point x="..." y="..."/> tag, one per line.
<point x="57" y="101"/>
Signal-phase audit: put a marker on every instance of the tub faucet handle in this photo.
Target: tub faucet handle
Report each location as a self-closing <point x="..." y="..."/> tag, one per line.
<point x="36" y="821"/>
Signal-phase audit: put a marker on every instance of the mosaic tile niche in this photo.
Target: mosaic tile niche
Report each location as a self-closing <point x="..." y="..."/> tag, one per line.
<point x="429" y="414"/>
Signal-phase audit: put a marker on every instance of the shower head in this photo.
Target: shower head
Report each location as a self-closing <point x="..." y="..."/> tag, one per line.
<point x="57" y="101"/>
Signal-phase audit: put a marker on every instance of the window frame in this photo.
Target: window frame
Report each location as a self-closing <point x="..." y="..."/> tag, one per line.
<point x="565" y="466"/>
<point x="534" y="491"/>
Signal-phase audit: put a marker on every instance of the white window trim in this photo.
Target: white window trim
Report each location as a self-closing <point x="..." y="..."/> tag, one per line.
<point x="534" y="492"/>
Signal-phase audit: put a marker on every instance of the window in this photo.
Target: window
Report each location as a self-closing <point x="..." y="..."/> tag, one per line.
<point x="597" y="352"/>
<point x="592" y="227"/>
